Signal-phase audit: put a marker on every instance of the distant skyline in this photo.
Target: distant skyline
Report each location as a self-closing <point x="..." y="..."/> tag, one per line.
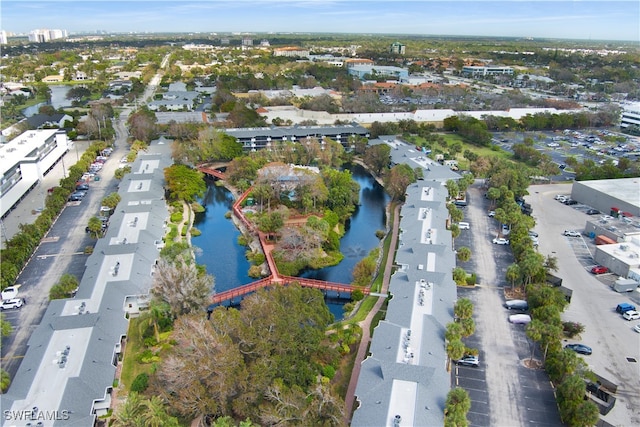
<point x="584" y="20"/>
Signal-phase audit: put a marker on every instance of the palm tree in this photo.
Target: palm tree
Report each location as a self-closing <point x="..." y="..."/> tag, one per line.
<point x="155" y="414"/>
<point x="156" y="311"/>
<point x="130" y="413"/>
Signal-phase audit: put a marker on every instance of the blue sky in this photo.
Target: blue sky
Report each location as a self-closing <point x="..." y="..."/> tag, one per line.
<point x="595" y="20"/>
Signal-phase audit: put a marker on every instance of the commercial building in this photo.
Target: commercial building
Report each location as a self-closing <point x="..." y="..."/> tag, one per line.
<point x="25" y="160"/>
<point x="630" y="120"/>
<point x="364" y="72"/>
<point x="621" y="258"/>
<point x="291" y="51"/>
<point x="480" y="71"/>
<point x="404" y="381"/>
<point x="66" y="376"/>
<point x="618" y="197"/>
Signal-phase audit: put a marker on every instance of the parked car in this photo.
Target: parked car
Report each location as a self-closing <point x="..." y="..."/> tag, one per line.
<point x="492" y="214"/>
<point x="463" y="225"/>
<point x="571" y="233"/>
<point x="500" y="241"/>
<point x="10" y="292"/>
<point x="533" y="233"/>
<point x="516" y="304"/>
<point x="579" y="348"/>
<point x="82" y="187"/>
<point x="468" y="360"/>
<point x="631" y="315"/>
<point x="8" y="304"/>
<point x="77" y="196"/>
<point x="624" y="307"/>
<point x="520" y="319"/>
<point x="599" y="269"/>
<point x="592" y="212"/>
<point x="570" y="202"/>
<point x="637" y="328"/>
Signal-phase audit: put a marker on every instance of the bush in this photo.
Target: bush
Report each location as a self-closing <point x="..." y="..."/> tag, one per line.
<point x="255" y="272"/>
<point x="328" y="371"/>
<point x="357" y="295"/>
<point x="471" y="279"/>
<point x="571" y="329"/>
<point x="176" y="217"/>
<point x="380" y="234"/>
<point x="140" y="383"/>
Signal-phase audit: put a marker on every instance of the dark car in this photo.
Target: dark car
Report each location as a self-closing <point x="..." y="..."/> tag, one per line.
<point x="592" y="212"/>
<point x="77" y="196"/>
<point x="82" y="187"/>
<point x="599" y="269"/>
<point x="579" y="348"/>
<point x="570" y="202"/>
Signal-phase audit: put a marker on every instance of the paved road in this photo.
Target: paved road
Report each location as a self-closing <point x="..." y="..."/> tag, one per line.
<point x="60" y="251"/>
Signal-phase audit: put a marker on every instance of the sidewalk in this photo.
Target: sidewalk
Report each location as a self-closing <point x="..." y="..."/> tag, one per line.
<point x="29" y="208"/>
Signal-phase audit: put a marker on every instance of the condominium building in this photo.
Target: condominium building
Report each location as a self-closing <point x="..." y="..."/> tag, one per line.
<point x="479" y="71"/>
<point x="630" y="120"/>
<point x="45" y="35"/>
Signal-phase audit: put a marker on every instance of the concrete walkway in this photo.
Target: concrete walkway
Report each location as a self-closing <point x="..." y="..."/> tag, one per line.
<point x="365" y="325"/>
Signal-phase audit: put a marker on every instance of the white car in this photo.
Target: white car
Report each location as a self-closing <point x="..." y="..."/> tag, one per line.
<point x="520" y="319"/>
<point x="463" y="225"/>
<point x="500" y="241"/>
<point x="8" y="304"/>
<point x="492" y="214"/>
<point x="637" y="327"/>
<point x="631" y="315"/>
<point x="10" y="292"/>
<point x="571" y="233"/>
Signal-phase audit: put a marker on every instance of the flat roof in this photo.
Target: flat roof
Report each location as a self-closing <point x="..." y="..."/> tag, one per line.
<point x="22" y="148"/>
<point x="627" y="189"/>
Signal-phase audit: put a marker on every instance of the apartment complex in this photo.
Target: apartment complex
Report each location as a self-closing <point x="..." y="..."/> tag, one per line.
<point x="67" y="374"/>
<point x="404" y="381"/>
<point x="45" y="35"/>
<point x="630" y="120"/>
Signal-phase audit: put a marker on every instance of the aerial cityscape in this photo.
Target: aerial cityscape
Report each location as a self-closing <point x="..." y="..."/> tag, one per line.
<point x="331" y="213"/>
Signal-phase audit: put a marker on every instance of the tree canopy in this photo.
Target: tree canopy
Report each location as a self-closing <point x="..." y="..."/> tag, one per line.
<point x="184" y="183"/>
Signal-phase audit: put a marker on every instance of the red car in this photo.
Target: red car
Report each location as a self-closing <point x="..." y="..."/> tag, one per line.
<point x="599" y="269"/>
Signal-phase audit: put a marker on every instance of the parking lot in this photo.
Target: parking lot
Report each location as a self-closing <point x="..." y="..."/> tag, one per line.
<point x="503" y="390"/>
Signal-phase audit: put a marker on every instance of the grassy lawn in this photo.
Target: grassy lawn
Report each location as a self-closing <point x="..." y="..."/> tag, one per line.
<point x="131" y="368"/>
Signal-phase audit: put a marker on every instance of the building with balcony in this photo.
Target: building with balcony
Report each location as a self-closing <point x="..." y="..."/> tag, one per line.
<point x="25" y="160"/>
<point x="483" y="71"/>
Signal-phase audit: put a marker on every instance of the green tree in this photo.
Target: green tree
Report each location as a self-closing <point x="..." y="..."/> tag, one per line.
<point x="111" y="200"/>
<point x="5" y="326"/>
<point x="377" y="157"/>
<point x="151" y="318"/>
<point x="95" y="226"/>
<point x="5" y="380"/>
<point x="463" y="254"/>
<point x="574" y="410"/>
<point x="184" y="183"/>
<point x="457" y="406"/>
<point x="64" y="288"/>
<point x="463" y="308"/>
<point x="398" y="179"/>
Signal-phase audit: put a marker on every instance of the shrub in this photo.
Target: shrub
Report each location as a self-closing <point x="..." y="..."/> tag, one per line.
<point x="357" y="295"/>
<point x="380" y="234"/>
<point x="255" y="271"/>
<point x="328" y="371"/>
<point x="195" y="232"/>
<point x="140" y="383"/>
<point x="571" y="329"/>
<point x="471" y="279"/>
<point x="176" y="217"/>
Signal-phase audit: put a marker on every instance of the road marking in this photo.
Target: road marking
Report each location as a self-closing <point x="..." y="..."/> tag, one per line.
<point x="50" y="239"/>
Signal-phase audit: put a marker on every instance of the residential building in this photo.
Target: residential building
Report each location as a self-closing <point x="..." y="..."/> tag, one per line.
<point x="291" y="51"/>
<point x="66" y="376"/>
<point x="405" y="381"/>
<point x="268" y="138"/>
<point x="25" y="160"/>
<point x="3" y="37"/>
<point x="45" y="35"/>
<point x="397" y="48"/>
<point x="40" y="121"/>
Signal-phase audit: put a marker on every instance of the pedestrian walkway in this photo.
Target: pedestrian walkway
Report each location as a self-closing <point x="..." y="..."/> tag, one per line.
<point x="365" y="325"/>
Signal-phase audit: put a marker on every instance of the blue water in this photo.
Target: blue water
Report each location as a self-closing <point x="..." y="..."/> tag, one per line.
<point x="219" y="249"/>
<point x="225" y="258"/>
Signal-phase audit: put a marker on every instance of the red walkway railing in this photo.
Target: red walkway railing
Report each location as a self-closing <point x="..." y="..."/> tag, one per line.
<point x="274" y="278"/>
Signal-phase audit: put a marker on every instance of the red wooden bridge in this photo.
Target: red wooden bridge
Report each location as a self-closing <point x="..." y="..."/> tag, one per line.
<point x="274" y="278"/>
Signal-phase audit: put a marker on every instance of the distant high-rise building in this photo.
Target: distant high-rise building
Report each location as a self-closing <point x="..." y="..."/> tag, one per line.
<point x="397" y="48"/>
<point x="3" y="37"/>
<point x="45" y="35"/>
<point x="246" y="41"/>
